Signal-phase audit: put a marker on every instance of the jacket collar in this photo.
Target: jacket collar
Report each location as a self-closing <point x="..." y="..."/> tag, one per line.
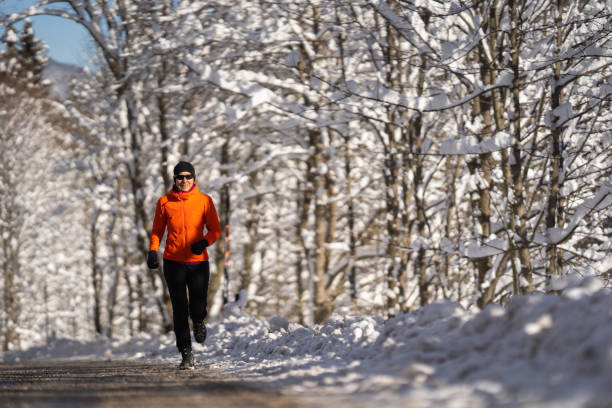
<point x="183" y="194"/>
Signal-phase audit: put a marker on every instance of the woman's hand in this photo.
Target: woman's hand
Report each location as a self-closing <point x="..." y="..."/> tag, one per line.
<point x="152" y="260"/>
<point x="199" y="247"/>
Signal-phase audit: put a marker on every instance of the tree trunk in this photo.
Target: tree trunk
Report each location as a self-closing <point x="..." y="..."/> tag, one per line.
<point x="251" y="225"/>
<point x="416" y="144"/>
<point x="452" y="173"/>
<point x="117" y="271"/>
<point x="322" y="302"/>
<point x="552" y="210"/>
<point x="10" y="291"/>
<point x="96" y="273"/>
<point x="517" y="205"/>
<point x="302" y="205"/>
<point x="393" y="234"/>
<point x="352" y="270"/>
<point x="223" y="210"/>
<point x="481" y="167"/>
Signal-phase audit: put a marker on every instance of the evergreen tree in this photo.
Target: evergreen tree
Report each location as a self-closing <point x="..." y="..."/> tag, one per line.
<point x="10" y="39"/>
<point x="10" y="67"/>
<point x="32" y="52"/>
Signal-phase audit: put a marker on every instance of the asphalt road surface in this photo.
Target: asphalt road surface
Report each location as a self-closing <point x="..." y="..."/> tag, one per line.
<point x="127" y="384"/>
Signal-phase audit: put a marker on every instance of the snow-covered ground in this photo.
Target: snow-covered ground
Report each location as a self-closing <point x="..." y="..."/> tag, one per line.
<point x="539" y="351"/>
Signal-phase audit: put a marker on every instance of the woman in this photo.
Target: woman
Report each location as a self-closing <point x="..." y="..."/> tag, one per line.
<point x="185" y="211"/>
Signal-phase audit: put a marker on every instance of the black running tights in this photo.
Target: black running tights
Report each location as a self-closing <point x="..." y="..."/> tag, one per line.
<point x="181" y="278"/>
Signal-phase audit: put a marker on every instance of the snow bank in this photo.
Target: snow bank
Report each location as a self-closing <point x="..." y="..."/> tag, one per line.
<point x="541" y="350"/>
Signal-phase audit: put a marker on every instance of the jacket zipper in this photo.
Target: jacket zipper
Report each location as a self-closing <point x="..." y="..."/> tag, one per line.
<point x="184" y="227"/>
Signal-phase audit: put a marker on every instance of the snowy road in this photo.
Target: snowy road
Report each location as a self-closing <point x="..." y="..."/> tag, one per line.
<point x="539" y="351"/>
<point x="122" y="383"/>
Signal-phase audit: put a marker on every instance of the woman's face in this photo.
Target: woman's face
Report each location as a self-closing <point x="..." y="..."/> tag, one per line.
<point x="184" y="181"/>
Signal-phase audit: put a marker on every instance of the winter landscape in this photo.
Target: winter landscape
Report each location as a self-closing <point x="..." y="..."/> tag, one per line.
<point x="415" y="196"/>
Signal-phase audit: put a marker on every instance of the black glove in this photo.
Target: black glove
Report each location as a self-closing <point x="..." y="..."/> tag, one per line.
<point x="152" y="260"/>
<point x="199" y="247"/>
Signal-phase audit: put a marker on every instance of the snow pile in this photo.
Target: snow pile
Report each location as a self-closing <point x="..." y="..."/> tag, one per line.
<point x="541" y="350"/>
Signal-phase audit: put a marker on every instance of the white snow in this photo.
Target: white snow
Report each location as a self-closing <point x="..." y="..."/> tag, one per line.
<point x="538" y="351"/>
<point x="473" y="249"/>
<point x="470" y="145"/>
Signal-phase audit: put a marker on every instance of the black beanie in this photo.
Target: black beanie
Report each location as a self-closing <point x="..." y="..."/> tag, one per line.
<point x="184" y="166"/>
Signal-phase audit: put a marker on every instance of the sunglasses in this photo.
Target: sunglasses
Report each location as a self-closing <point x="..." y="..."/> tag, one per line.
<point x="181" y="177"/>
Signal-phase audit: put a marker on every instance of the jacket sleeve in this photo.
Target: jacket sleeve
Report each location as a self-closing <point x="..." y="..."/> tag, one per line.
<point x="211" y="220"/>
<point x="159" y="227"/>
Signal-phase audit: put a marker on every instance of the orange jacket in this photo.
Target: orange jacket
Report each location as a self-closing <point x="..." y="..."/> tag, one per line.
<point x="185" y="214"/>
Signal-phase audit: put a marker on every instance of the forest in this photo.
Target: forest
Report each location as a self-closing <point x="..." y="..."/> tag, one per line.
<point x="366" y="157"/>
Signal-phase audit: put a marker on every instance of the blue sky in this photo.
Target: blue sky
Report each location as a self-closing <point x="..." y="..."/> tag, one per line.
<point x="68" y="42"/>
